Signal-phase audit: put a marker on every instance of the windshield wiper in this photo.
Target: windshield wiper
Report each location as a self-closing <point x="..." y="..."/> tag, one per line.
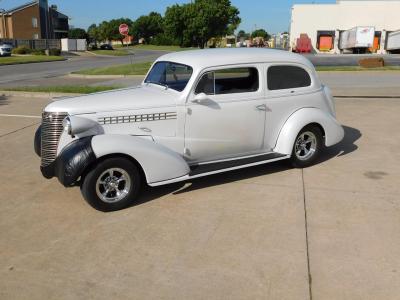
<point x="159" y="83"/>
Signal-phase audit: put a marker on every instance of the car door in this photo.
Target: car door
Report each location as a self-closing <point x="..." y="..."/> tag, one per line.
<point x="289" y="87"/>
<point x="225" y="114"/>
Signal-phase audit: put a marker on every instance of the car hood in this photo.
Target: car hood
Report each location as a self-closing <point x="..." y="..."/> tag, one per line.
<point x="141" y="97"/>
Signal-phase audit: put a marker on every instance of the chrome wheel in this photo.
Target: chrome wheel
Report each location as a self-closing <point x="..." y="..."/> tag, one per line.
<point x="113" y="185"/>
<point x="306" y="145"/>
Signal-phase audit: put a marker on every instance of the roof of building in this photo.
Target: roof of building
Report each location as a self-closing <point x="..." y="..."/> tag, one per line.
<point x="58" y="14"/>
<point x="201" y="59"/>
<point x="23" y="6"/>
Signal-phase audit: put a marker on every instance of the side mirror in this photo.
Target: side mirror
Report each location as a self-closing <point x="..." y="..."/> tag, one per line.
<point x="200" y="98"/>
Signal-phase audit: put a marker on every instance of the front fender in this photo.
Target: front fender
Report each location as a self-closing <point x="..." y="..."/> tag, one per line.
<point x="334" y="132"/>
<point x="73" y="161"/>
<point x="157" y="161"/>
<point x="37" y="142"/>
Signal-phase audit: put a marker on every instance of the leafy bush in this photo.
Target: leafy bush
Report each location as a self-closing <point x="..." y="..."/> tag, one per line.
<point x="163" y="40"/>
<point x="93" y="47"/>
<point x="38" y="52"/>
<point x="54" y="52"/>
<point x="22" y="50"/>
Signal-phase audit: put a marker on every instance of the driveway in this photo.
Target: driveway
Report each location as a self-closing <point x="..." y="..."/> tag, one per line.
<point x="269" y="232"/>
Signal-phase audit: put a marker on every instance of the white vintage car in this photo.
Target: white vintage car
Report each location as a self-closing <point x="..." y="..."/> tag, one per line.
<point x="196" y="113"/>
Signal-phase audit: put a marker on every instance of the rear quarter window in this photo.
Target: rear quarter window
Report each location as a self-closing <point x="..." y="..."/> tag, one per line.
<point x="287" y="77"/>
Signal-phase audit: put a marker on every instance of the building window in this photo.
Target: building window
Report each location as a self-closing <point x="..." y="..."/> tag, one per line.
<point x="34" y="22"/>
<point x="287" y="77"/>
<point x="36" y="36"/>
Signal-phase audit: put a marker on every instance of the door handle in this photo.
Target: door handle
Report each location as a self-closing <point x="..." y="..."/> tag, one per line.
<point x="261" y="107"/>
<point x="145" y="129"/>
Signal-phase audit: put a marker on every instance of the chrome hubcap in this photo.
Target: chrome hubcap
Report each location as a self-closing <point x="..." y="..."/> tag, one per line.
<point x="306" y="145"/>
<point x="113" y="185"/>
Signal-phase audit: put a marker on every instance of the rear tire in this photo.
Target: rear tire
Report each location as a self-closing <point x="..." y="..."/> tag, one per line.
<point x="307" y="147"/>
<point x="113" y="184"/>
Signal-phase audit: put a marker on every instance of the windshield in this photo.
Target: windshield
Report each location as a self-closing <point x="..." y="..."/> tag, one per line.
<point x="171" y="75"/>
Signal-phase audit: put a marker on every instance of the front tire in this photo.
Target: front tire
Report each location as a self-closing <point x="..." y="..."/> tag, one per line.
<point x="113" y="184"/>
<point x="307" y="147"/>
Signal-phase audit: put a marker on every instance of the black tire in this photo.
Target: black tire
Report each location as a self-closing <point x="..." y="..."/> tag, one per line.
<point x="304" y="159"/>
<point x="121" y="167"/>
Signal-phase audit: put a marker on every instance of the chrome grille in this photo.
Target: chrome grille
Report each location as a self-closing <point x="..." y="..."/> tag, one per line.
<point x="51" y="132"/>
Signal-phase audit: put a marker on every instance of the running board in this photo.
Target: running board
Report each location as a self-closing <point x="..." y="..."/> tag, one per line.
<point x="206" y="169"/>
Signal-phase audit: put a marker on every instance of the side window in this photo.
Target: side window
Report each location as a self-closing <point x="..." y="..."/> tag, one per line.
<point x="287" y="77"/>
<point x="229" y="81"/>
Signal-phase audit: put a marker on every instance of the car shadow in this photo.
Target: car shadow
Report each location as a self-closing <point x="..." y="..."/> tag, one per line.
<point x="3" y="100"/>
<point x="345" y="147"/>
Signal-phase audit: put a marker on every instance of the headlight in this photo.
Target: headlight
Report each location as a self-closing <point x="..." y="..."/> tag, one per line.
<point x="67" y="125"/>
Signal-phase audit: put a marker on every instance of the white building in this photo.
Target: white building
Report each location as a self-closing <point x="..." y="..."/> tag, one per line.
<point x="323" y="23"/>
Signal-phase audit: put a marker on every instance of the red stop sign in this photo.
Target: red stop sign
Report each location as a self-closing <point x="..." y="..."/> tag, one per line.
<point x="124" y="29"/>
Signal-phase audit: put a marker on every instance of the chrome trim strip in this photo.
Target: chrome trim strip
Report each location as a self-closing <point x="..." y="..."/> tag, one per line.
<point x="137" y="118"/>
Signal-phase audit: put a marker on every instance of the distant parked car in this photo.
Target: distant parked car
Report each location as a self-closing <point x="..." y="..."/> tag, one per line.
<point x="106" y="47"/>
<point x="5" y="50"/>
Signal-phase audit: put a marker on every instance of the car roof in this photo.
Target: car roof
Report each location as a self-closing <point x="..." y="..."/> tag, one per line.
<point x="201" y="59"/>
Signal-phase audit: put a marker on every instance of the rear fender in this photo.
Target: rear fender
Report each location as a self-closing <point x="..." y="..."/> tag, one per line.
<point x="157" y="161"/>
<point x="334" y="132"/>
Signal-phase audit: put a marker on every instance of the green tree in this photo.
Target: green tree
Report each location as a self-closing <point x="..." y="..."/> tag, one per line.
<point x="243" y="34"/>
<point x="174" y="22"/>
<point x="94" y="33"/>
<point x="148" y="26"/>
<point x="77" y="33"/>
<point x="261" y="33"/>
<point x="195" y="23"/>
<point x="109" y="30"/>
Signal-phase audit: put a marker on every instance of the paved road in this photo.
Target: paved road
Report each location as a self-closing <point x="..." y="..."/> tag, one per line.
<point x="13" y="73"/>
<point x="367" y="84"/>
<point x="268" y="232"/>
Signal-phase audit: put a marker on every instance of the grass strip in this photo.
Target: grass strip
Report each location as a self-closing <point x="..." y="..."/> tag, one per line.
<point x="26" y="59"/>
<point x="111" y="52"/>
<point x="155" y="48"/>
<point x="127" y="69"/>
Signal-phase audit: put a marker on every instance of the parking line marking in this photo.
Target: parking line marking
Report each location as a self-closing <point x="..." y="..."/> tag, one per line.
<point x="18" y="130"/>
<point x="21" y="116"/>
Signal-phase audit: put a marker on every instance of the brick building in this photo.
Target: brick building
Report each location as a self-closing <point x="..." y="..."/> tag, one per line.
<point x="33" y="20"/>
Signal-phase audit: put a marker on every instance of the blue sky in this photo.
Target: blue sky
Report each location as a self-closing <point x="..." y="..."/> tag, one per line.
<point x="274" y="16"/>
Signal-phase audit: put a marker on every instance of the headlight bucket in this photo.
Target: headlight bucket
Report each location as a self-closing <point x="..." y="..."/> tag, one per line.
<point x="74" y="125"/>
<point x="67" y="125"/>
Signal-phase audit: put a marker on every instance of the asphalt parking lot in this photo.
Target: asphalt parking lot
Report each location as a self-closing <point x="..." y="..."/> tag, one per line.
<point x="269" y="232"/>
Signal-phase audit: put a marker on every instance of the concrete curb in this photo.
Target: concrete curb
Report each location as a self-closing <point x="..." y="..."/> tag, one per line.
<point x="104" y="76"/>
<point x="36" y="94"/>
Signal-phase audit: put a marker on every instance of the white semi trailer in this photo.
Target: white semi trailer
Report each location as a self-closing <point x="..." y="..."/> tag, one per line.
<point x="393" y="41"/>
<point x="357" y="39"/>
